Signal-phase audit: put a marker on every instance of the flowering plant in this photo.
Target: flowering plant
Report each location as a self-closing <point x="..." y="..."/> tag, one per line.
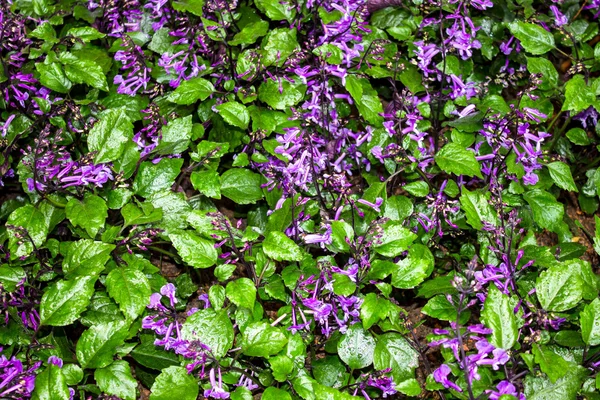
<point x="299" y="199"/>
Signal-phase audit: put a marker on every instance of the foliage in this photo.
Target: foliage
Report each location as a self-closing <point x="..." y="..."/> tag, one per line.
<point x="299" y="199"/>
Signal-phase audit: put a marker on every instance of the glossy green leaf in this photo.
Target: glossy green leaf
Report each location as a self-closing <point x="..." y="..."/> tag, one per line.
<point x="559" y="288"/>
<point x="534" y="39"/>
<point x="241" y="292"/>
<point x="194" y="250"/>
<point x="97" y="345"/>
<point x="498" y="315"/>
<point x="561" y="175"/>
<point x="50" y="384"/>
<point x="235" y="114"/>
<point x="192" y="90"/>
<point x="88" y="214"/>
<point x="262" y="340"/>
<point x="174" y="383"/>
<point x="453" y="158"/>
<point x="241" y="186"/>
<point x="590" y="323"/>
<point x="279" y="247"/>
<point x="64" y="300"/>
<point x="81" y="70"/>
<point x="395" y="239"/>
<point x="414" y="269"/>
<point x="110" y="134"/>
<point x="130" y="288"/>
<point x="116" y="379"/>
<point x="356" y="347"/>
<point x="547" y="212"/>
<point x="213" y="328"/>
<point x="393" y="351"/>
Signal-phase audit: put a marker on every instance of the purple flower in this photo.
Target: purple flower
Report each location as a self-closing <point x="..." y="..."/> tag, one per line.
<point x="383" y="383"/>
<point x="169" y="291"/>
<point x="15" y="381"/>
<point x="441" y="376"/>
<point x="137" y="74"/>
<point x="559" y="18"/>
<point x="321" y="239"/>
<point x="55" y="361"/>
<point x="216" y="391"/>
<point x="505" y="388"/>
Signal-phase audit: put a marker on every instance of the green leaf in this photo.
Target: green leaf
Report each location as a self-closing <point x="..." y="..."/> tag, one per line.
<point x="534" y="39"/>
<point x="63" y="301"/>
<point x="235" y="114"/>
<point x="11" y="277"/>
<point x="341" y="231"/>
<point x="34" y="221"/>
<point x="590" y="323"/>
<point x="150" y="356"/>
<point x="190" y="91"/>
<point x="117" y="380"/>
<point x="278" y="45"/>
<point x="398" y="208"/>
<point x="153" y="178"/>
<point x="88" y="214"/>
<point x="81" y="70"/>
<point x="260" y="339"/>
<point x="86" y="258"/>
<point x="373" y="309"/>
<point x="130" y="289"/>
<point x="110" y="134"/>
<point x="250" y="33"/>
<point x="393" y="351"/>
<point x="566" y="387"/>
<point x="578" y="136"/>
<point x="193" y="249"/>
<point x="366" y="98"/>
<point x="395" y="239"/>
<point x="498" y="315"/>
<point x="276" y="10"/>
<point x="85" y="33"/>
<point x="281" y="95"/>
<point x="417" y="189"/>
<point x="213" y="328"/>
<point x="46" y="32"/>
<point x="73" y="373"/>
<point x="174" y="383"/>
<point x="356" y="347"/>
<point x="97" y="345"/>
<point x="546" y="69"/>
<point x="559" y="288"/>
<point x="241" y="292"/>
<point x="578" y="95"/>
<point x="329" y="371"/>
<point x="175" y="136"/>
<point x="439" y="307"/>
<point x="50" y="384"/>
<point x="547" y="212"/>
<point x="279" y="247"/>
<point x="53" y="77"/>
<point x="241" y="185"/>
<point x="207" y="182"/>
<point x="145" y="214"/>
<point x="550" y="363"/>
<point x="477" y="208"/>
<point x="272" y="393"/>
<point x="453" y="158"/>
<point x="561" y="175"/>
<point x="414" y="269"/>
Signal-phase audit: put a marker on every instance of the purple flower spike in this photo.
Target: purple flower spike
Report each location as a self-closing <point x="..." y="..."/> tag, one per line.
<point x="216" y="391"/>
<point x="441" y="376"/>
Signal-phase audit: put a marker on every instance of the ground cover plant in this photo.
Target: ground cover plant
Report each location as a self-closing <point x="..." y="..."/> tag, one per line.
<point x="299" y="199"/>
